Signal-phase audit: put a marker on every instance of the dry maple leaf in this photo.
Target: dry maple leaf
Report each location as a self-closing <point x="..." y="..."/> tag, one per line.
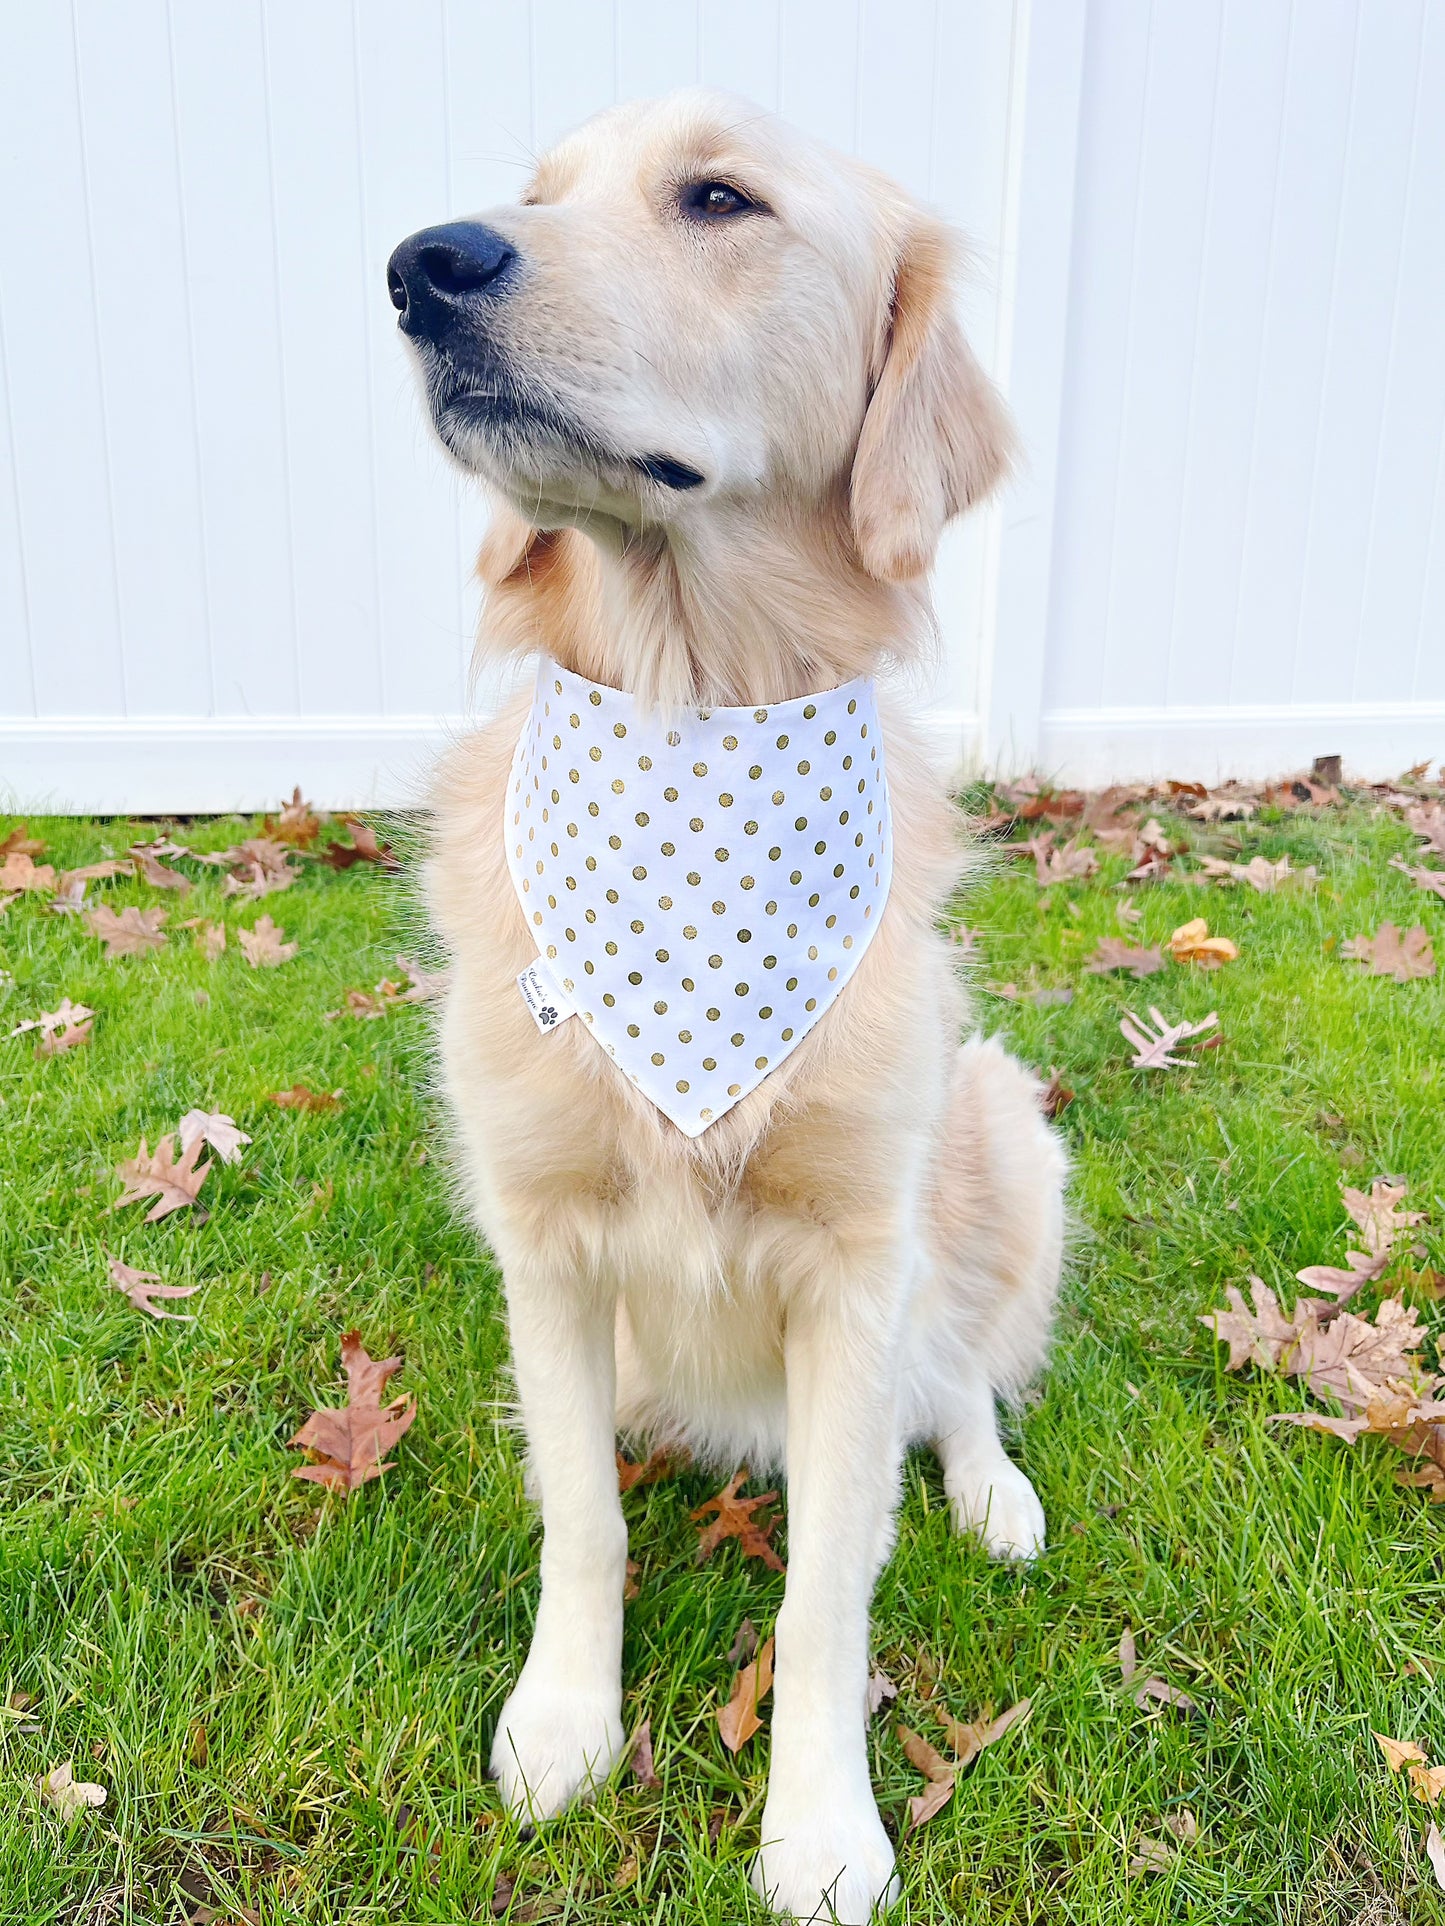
<point x="262" y="947"/>
<point x="95" y="873"/>
<point x="1058" y="865"/>
<point x="738" y="1720"/>
<point x="350" y="1444"/>
<point x="1400" y="1752"/>
<point x="1158" y="1691"/>
<point x="643" y="1768"/>
<point x="155" y="872"/>
<point x="215" y="1128"/>
<point x="968" y="1737"/>
<point x="141" y="1287"/>
<point x="210" y="937"/>
<point x="298" y="1097"/>
<point x="174" y="1181"/>
<point x="937" y="1770"/>
<point x="19" y="872"/>
<point x="1379" y="1216"/>
<point x="299" y="823"/>
<point x="260" y="867"/>
<point x="1388" y="953"/>
<point x="1192" y="943"/>
<point x="19" y="841"/>
<point x="1420" y="876"/>
<point x="1055" y="1096"/>
<point x="659" y="1463"/>
<point x="735" y="1520"/>
<point x="1152" y="1052"/>
<point x="1114" y="953"/>
<point x="1426" y="819"/>
<point x="67" y="1794"/>
<point x="132" y="933"/>
<point x="363" y="848"/>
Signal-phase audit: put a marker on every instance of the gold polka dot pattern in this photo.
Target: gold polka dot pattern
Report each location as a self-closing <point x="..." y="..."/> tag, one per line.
<point x="702" y="887"/>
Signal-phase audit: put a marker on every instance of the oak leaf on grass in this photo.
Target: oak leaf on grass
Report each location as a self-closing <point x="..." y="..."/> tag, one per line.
<point x="132" y="933"/>
<point x="56" y="1042"/>
<point x="1060" y="865"/>
<point x="262" y="947"/>
<point x="735" y="1519"/>
<point x="938" y="1771"/>
<point x="363" y="848"/>
<point x="1389" y="953"/>
<point x="174" y="1180"/>
<point x="1422" y="877"/>
<point x="1153" y="1051"/>
<point x="65" y="1016"/>
<point x="1379" y="1216"/>
<point x="738" y="1719"/>
<point x="1115" y="953"/>
<point x="141" y="1288"/>
<point x="350" y="1443"/>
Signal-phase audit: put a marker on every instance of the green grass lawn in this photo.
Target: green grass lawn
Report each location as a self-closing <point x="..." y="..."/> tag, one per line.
<point x="290" y="1697"/>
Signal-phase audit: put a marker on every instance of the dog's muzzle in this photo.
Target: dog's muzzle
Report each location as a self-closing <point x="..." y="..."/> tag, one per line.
<point x="443" y="279"/>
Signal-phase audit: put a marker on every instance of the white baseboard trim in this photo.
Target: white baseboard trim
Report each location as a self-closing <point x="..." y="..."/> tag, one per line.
<point x="162" y="765"/>
<point x="1378" y="740"/>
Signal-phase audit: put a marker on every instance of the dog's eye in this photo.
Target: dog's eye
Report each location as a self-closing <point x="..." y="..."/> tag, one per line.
<point x="717" y="201"/>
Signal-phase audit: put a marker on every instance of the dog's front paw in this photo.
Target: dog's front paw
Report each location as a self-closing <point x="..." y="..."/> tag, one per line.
<point x="552" y="1745"/>
<point x="831" y="1862"/>
<point x="997" y="1503"/>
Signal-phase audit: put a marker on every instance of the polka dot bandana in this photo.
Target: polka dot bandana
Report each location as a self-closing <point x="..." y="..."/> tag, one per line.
<point x="700" y="887"/>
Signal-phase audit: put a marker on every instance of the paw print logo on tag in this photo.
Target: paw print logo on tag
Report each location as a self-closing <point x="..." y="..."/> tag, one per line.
<point x="547" y="1016"/>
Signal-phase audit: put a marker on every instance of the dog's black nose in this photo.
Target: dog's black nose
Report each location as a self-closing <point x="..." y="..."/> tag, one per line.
<point x="435" y="273"/>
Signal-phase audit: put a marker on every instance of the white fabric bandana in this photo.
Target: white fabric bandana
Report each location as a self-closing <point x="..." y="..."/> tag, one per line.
<point x="699" y="889"/>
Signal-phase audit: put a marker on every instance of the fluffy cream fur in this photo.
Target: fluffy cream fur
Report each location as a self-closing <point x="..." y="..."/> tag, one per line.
<point x="865" y="1251"/>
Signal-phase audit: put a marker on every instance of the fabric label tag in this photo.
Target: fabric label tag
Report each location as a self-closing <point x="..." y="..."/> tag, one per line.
<point x="548" y="1004"/>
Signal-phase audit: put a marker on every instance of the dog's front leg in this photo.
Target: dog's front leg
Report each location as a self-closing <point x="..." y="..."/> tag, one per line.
<point x="824" y="1851"/>
<point x="560" y="1732"/>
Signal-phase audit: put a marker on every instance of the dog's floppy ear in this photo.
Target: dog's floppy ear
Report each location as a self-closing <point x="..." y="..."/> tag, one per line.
<point x="936" y="437"/>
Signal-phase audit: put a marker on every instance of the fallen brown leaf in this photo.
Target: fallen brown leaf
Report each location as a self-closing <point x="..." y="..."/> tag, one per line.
<point x="1152" y="1052"/>
<point x="20" y="873"/>
<point x="56" y="1042"/>
<point x="132" y="933"/>
<point x="643" y="1768"/>
<point x="141" y="1287"/>
<point x="19" y="841"/>
<point x="1435" y="1853"/>
<point x="351" y="1443"/>
<point x="1055" y="1097"/>
<point x="262" y="947"/>
<point x="1400" y="1752"/>
<point x="155" y="872"/>
<point x="738" y="1720"/>
<point x="937" y="1770"/>
<point x="363" y="848"/>
<point x="967" y="1738"/>
<point x="1423" y="878"/>
<point x="1379" y="1216"/>
<point x="735" y="1520"/>
<point x="1388" y="953"/>
<point x="173" y="1180"/>
<point x="1427" y="1782"/>
<point x="659" y="1463"/>
<point x="1153" y="1856"/>
<point x="1114" y="953"/>
<point x="298" y="1097"/>
<point x="880" y="1690"/>
<point x="95" y="873"/>
<point x="299" y="823"/>
<point x="1059" y="865"/>
<point x="49" y="1021"/>
<point x="1165" y="1694"/>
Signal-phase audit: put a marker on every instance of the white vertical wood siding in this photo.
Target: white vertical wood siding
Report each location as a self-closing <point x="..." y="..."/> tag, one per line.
<point x="1210" y="274"/>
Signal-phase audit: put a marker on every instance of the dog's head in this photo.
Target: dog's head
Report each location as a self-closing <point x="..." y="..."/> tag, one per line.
<point x="694" y="303"/>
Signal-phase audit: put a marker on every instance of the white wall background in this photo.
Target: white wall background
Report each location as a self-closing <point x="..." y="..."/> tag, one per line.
<point x="1211" y="278"/>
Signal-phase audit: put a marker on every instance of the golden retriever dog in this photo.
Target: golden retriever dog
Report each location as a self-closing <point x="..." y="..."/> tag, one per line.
<point x="711" y="373"/>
